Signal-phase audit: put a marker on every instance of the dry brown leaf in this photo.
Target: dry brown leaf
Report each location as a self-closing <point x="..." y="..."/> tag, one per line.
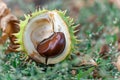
<point x="117" y="64"/>
<point x="96" y="74"/>
<point x="118" y="40"/>
<point x="116" y="2"/>
<point x="3" y="9"/>
<point x="104" y="49"/>
<point x="87" y="60"/>
<point x="8" y="24"/>
<point x="73" y="72"/>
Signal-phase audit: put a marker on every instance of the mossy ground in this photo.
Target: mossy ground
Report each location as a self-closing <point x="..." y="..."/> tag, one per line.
<point x="99" y="25"/>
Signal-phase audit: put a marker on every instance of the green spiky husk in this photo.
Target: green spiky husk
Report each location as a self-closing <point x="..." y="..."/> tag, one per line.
<point x="68" y="21"/>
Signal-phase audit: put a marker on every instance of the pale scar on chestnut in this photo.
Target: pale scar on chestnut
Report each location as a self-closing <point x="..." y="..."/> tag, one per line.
<point x="53" y="46"/>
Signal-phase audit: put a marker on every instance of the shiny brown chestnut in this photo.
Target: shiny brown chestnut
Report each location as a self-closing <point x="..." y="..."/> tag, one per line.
<point x="52" y="46"/>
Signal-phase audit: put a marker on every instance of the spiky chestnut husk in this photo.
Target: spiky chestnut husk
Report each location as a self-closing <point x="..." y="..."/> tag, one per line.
<point x="40" y="26"/>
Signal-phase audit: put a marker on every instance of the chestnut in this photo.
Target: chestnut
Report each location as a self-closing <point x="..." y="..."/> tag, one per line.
<point x="52" y="46"/>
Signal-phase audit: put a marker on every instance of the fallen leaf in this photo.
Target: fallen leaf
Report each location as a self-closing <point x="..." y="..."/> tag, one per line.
<point x="117" y="64"/>
<point x="86" y="60"/>
<point x="104" y="49"/>
<point x="8" y="24"/>
<point x="118" y="40"/>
